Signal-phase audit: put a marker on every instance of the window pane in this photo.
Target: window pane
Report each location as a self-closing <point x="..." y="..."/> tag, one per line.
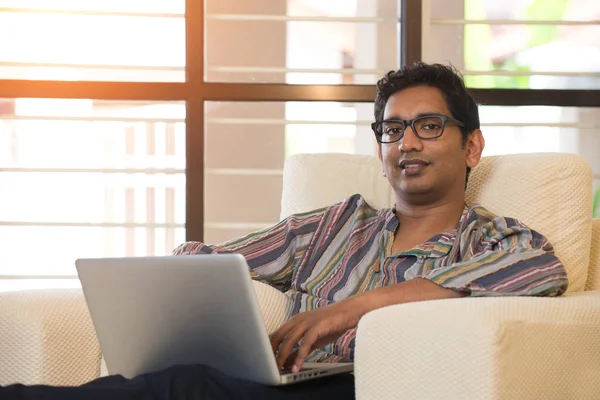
<point x="88" y="178"/>
<point x="518" y="43"/>
<point x="69" y="40"/>
<point x="533" y="129"/>
<point x="133" y="6"/>
<point x="57" y="247"/>
<point x="301" y="41"/>
<point x="247" y="144"/>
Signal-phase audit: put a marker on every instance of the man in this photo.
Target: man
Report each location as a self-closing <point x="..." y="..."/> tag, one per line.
<point x="340" y="262"/>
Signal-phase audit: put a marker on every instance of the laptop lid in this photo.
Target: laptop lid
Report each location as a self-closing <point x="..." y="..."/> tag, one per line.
<point x="153" y="312"/>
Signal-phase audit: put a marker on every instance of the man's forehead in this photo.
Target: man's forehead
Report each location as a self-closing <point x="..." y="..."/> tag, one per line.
<point x="415" y="101"/>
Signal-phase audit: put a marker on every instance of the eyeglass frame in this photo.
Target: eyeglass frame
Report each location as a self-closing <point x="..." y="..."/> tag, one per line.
<point x="411" y="122"/>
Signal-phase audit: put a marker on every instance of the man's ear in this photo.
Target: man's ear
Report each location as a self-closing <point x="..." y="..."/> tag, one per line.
<point x="474" y="147"/>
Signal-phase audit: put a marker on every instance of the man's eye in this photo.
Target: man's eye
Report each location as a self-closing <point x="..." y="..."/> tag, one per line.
<point x="431" y="127"/>
<point x="393" y="131"/>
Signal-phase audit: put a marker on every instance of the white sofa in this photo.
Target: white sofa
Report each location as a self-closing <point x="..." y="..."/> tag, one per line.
<point x="495" y="348"/>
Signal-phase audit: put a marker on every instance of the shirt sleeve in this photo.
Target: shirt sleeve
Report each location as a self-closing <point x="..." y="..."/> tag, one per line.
<point x="271" y="253"/>
<point x="504" y="258"/>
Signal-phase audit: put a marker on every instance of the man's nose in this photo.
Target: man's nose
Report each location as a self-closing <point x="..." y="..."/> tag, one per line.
<point x="410" y="141"/>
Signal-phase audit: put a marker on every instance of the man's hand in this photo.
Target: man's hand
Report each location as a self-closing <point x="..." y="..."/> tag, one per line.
<point x="314" y="329"/>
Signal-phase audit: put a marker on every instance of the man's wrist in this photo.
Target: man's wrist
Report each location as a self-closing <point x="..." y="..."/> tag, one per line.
<point x="367" y="302"/>
<point x="417" y="289"/>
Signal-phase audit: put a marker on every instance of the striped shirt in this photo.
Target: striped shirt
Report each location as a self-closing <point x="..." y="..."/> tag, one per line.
<point x="327" y="255"/>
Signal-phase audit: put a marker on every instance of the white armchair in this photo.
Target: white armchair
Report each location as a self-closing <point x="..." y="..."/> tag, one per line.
<point x="478" y="348"/>
<point x="496" y="348"/>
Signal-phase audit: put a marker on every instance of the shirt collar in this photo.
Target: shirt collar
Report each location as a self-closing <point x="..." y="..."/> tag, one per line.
<point x="436" y="246"/>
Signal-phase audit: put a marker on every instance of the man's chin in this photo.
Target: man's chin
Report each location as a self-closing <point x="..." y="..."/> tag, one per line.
<point x="414" y="192"/>
<point x="414" y="188"/>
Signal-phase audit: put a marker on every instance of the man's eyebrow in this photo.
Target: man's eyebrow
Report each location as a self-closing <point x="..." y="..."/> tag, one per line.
<point x="421" y="114"/>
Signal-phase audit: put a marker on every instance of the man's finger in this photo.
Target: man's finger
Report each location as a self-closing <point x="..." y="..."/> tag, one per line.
<point x="278" y="336"/>
<point x="288" y="343"/>
<point x="289" y="362"/>
<point x="306" y="347"/>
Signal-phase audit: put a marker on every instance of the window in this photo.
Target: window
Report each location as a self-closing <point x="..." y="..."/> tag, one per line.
<point x="70" y="40"/>
<point x="301" y="41"/>
<point x="88" y="178"/>
<point x="247" y="144"/>
<point x="129" y="140"/>
<point x="524" y="44"/>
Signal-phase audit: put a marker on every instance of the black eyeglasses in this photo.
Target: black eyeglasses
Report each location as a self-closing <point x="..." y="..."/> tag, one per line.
<point x="426" y="127"/>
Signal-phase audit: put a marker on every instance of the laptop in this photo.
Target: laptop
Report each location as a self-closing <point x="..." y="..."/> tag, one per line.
<point x="154" y="312"/>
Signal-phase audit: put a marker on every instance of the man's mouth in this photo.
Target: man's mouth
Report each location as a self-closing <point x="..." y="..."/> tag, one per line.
<point x="413" y="166"/>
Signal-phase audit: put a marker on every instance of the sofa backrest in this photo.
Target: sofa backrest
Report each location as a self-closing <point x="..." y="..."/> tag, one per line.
<point x="549" y="192"/>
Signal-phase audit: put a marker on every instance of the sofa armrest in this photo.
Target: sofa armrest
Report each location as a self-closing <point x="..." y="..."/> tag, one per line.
<point x="275" y="306"/>
<point x="47" y="337"/>
<point x="481" y="348"/>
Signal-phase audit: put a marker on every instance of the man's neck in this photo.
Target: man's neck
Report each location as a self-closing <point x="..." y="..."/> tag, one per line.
<point x="429" y="219"/>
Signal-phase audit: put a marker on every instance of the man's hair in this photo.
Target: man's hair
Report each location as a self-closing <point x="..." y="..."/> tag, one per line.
<point x="443" y="77"/>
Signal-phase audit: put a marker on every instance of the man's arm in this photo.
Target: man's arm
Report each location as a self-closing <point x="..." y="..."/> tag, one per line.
<point x="503" y="258"/>
<point x="274" y="253"/>
<point x="271" y="253"/>
<point x="315" y="329"/>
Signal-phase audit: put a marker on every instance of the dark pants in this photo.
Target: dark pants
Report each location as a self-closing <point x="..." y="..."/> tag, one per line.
<point x="185" y="383"/>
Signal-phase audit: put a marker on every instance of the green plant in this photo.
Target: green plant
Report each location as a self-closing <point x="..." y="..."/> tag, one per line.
<point x="596" y="204"/>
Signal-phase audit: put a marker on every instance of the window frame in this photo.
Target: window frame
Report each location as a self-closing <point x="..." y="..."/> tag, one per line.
<point x="195" y="91"/>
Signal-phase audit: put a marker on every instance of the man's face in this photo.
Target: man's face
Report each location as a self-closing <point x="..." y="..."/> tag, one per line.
<point x="426" y="171"/>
